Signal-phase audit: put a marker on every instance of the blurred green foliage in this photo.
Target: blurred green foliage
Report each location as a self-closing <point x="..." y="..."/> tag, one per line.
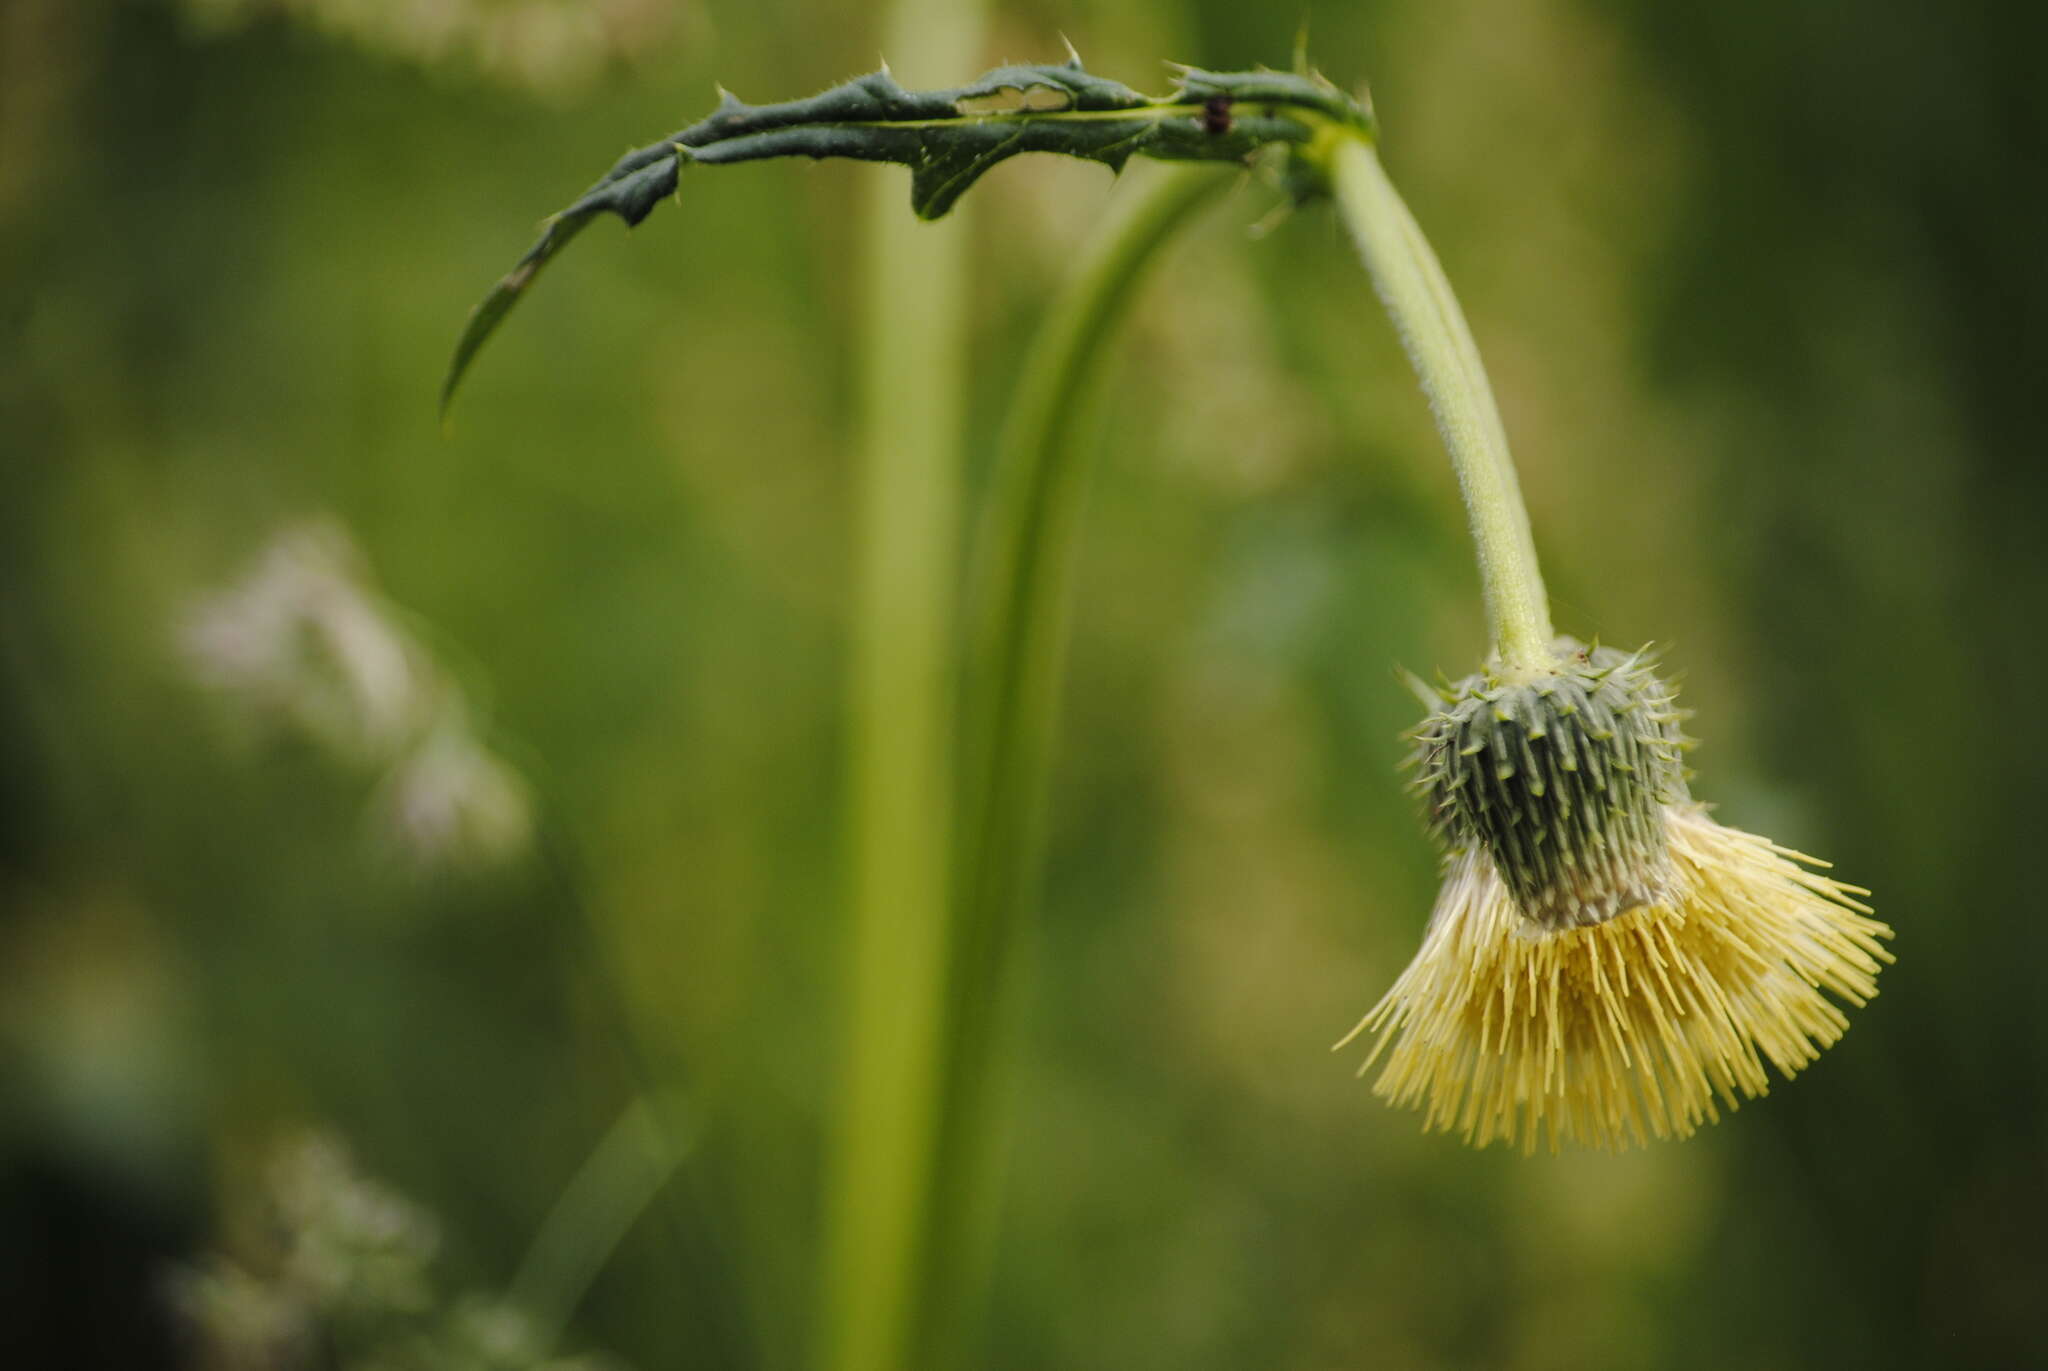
<point x="1760" y="288"/>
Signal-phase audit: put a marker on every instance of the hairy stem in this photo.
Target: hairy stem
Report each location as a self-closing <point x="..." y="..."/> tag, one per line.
<point x="901" y="767"/>
<point x="1411" y="285"/>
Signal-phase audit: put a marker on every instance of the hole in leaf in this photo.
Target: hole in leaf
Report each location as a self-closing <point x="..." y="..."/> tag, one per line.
<point x="1015" y="100"/>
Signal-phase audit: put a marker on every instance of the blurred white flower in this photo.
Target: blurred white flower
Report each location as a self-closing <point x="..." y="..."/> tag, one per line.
<point x="351" y="1242"/>
<point x="452" y="801"/>
<point x="306" y="645"/>
<point x="545" y="47"/>
<point x="348" y="1283"/>
<point x="303" y="641"/>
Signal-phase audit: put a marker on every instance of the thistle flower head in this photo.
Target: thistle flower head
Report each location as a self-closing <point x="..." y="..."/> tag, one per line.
<point x="1606" y="963"/>
<point x="1564" y="775"/>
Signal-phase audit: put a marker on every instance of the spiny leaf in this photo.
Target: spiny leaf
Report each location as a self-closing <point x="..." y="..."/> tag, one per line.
<point x="947" y="138"/>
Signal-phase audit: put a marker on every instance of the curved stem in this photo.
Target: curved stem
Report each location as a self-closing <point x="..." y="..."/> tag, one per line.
<point x="1017" y="632"/>
<point x="1411" y="285"/>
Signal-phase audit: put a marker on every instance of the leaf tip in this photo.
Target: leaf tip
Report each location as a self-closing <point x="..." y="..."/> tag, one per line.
<point x="483" y="321"/>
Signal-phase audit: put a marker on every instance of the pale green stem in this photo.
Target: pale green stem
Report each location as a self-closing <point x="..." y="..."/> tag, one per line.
<point x="1018" y="622"/>
<point x="607" y="1196"/>
<point x="901" y="739"/>
<point x="1412" y="287"/>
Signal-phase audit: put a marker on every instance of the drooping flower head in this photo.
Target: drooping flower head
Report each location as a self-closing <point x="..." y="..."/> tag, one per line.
<point x="1605" y="964"/>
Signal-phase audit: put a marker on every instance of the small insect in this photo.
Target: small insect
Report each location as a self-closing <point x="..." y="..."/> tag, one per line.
<point x="1216" y="115"/>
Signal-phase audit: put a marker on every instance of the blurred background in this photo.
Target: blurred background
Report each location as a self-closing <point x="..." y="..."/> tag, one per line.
<point x="385" y="812"/>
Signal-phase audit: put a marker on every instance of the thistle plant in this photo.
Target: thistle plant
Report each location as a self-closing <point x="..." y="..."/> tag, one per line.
<point x="1605" y="964"/>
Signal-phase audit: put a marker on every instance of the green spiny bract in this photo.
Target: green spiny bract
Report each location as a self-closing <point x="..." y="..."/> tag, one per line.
<point x="1563" y="778"/>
